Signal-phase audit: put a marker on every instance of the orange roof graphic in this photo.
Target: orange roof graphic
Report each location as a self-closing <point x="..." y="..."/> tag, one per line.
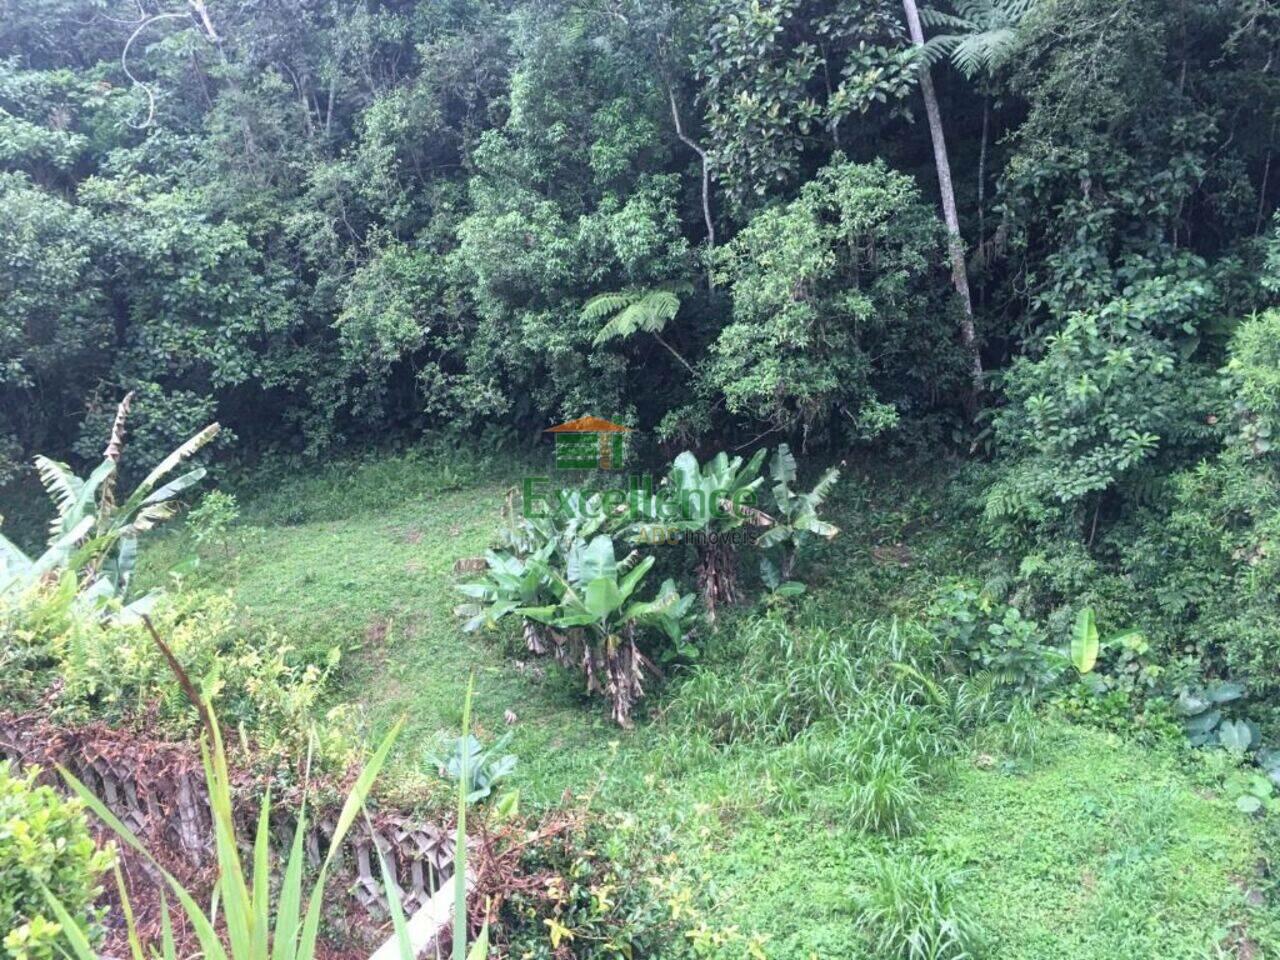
<point x="589" y="425"/>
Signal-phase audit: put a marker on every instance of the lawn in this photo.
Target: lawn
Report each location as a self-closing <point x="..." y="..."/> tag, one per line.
<point x="1088" y="847"/>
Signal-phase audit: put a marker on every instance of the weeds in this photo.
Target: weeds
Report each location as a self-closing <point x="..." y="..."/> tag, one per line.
<point x="912" y="911"/>
<point x="887" y="798"/>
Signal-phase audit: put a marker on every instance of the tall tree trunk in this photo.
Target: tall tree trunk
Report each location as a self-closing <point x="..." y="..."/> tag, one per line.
<point x="959" y="275"/>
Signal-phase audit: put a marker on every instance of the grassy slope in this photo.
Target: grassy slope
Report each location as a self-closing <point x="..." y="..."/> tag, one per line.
<point x="1099" y="850"/>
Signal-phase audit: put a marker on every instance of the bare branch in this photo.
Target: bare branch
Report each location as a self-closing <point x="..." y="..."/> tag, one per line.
<point x="706" y="168"/>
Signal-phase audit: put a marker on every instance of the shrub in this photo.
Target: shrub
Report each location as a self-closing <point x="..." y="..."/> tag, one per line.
<point x="984" y="634"/>
<point x="213" y="517"/>
<point x="44" y="845"/>
<point x="114" y="671"/>
<point x="839" y="320"/>
<point x="912" y="911"/>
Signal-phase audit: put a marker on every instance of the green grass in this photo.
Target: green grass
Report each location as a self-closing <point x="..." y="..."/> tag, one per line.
<point x="1097" y="850"/>
<point x="1101" y="850"/>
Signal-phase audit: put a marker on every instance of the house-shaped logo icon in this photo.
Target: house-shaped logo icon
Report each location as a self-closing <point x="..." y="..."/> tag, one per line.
<point x="587" y="443"/>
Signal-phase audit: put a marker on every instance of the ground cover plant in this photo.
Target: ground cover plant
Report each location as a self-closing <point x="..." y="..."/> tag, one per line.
<point x="837" y="437"/>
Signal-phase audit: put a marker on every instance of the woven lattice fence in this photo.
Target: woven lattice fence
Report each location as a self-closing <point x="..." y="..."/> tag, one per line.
<point x="157" y="790"/>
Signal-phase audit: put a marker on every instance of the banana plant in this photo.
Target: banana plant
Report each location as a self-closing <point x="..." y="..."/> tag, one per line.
<point x="796" y="524"/>
<point x="509" y="583"/>
<point x="92" y="536"/>
<point x="703" y="503"/>
<point x="595" y="622"/>
<point x="576" y="516"/>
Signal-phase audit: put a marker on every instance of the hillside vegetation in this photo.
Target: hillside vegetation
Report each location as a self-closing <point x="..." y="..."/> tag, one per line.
<point x="793" y="478"/>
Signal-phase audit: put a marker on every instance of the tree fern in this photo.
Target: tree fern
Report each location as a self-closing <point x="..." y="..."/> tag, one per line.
<point x="628" y="312"/>
<point x="980" y="36"/>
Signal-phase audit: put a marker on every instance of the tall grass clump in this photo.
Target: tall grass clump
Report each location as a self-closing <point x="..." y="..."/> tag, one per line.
<point x="791" y="676"/>
<point x="886" y="796"/>
<point x="857" y="724"/>
<point x="912" y="910"/>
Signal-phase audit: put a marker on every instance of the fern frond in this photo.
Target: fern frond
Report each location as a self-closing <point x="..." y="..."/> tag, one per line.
<point x="936" y="49"/>
<point x="933" y="17"/>
<point x="658" y="309"/>
<point x="983" y="51"/>
<point x="634" y="311"/>
<point x="607" y="304"/>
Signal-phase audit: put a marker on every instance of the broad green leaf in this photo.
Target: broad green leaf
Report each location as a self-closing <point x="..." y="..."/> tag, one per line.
<point x="632" y="579"/>
<point x="602" y="597"/>
<point x="783" y="467"/>
<point x="1084" y="642"/>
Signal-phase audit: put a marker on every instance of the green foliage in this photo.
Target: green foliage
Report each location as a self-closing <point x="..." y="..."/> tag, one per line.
<point x="92" y="539"/>
<point x="1111" y="386"/>
<point x="983" y="634"/>
<point x="213" y="517"/>
<point x="795" y="518"/>
<point x="839" y="316"/>
<point x="984" y="33"/>
<point x="631" y="312"/>
<point x="913" y="911"/>
<point x="113" y="670"/>
<point x="45" y="845"/>
<point x="887" y="796"/>
<point x="54" y="324"/>
<point x="717" y="496"/>
<point x="1084" y="642"/>
<point x="475" y="768"/>
<point x="592" y="607"/>
<point x="777" y="76"/>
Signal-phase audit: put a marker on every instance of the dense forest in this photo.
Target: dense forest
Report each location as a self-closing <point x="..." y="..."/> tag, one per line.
<point x="1028" y="247"/>
<point x="324" y="222"/>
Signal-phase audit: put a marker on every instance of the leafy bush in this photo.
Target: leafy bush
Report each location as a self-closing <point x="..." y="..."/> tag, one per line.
<point x="114" y="671"/>
<point x="1108" y="392"/>
<point x="839" y="319"/>
<point x="984" y="634"/>
<point x="705" y="502"/>
<point x="213" y="516"/>
<point x="44" y="845"/>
